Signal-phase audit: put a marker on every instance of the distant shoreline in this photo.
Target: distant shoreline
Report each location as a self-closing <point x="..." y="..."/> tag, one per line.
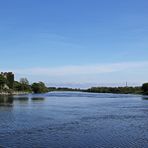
<point x="112" y="90"/>
<point x="8" y="86"/>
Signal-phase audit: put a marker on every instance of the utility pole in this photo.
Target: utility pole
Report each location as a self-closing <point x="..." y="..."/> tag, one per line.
<point x="126" y="84"/>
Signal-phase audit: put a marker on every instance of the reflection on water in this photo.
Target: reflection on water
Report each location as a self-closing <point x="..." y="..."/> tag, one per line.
<point x="6" y="100"/>
<point x="145" y="97"/>
<point x="37" y="99"/>
<point x="10" y="100"/>
<point x="21" y="98"/>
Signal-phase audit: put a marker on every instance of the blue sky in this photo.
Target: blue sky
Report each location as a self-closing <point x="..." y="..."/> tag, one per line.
<point x="75" y="42"/>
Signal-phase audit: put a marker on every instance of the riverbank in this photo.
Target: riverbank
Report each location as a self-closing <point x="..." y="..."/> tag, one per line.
<point x="13" y="93"/>
<point x="113" y="90"/>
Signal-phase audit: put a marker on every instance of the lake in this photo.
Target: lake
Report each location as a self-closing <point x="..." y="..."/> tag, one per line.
<point x="74" y="120"/>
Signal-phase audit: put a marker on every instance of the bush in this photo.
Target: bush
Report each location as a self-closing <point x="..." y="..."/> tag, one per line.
<point x="39" y="87"/>
<point x="145" y="88"/>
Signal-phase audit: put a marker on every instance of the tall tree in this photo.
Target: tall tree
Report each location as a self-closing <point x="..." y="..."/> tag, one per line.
<point x="25" y="84"/>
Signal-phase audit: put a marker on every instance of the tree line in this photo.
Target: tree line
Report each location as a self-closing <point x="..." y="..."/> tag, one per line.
<point x="8" y="84"/>
<point x="121" y="90"/>
<point x="24" y="86"/>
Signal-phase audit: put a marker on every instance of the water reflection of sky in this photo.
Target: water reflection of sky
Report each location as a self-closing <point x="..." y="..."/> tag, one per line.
<point x="74" y="119"/>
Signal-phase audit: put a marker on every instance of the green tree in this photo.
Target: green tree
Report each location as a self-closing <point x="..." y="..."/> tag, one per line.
<point x="2" y="82"/>
<point x="39" y="87"/>
<point x="145" y="88"/>
<point x="24" y="81"/>
<point x="24" y="85"/>
<point x="17" y="86"/>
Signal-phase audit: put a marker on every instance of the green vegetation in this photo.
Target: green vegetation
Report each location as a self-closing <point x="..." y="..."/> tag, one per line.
<point x="2" y="82"/>
<point x="39" y="87"/>
<point x="22" y="86"/>
<point x="6" y="80"/>
<point x="63" y="89"/>
<point x="9" y="85"/>
<point x="145" y="88"/>
<point x="10" y="79"/>
<point x="116" y="90"/>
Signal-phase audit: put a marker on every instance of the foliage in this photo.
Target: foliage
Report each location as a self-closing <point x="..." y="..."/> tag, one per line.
<point x="63" y="89"/>
<point x="118" y="90"/>
<point x="145" y="88"/>
<point x="7" y="79"/>
<point x="2" y="81"/>
<point x="24" y="81"/>
<point x="24" y="85"/>
<point x="17" y="86"/>
<point x="39" y="87"/>
<point x="10" y="80"/>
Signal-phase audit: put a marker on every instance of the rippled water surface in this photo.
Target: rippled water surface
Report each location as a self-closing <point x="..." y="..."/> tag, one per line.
<point x="74" y="120"/>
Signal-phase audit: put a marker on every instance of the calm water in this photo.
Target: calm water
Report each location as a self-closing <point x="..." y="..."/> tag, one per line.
<point x="74" y="120"/>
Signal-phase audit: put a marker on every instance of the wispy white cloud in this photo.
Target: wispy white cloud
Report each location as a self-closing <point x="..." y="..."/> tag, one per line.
<point x="81" y="70"/>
